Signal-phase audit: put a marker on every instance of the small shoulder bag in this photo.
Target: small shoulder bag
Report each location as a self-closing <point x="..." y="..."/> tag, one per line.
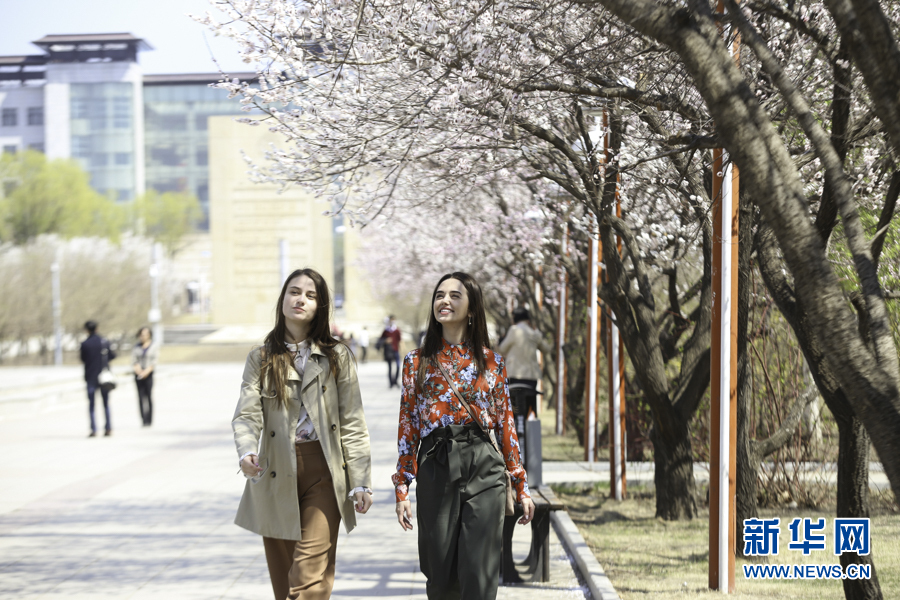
<point x="510" y="507"/>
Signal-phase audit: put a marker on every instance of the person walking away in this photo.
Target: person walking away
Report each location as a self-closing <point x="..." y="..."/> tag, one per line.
<point x="302" y="442"/>
<point x="390" y="338"/>
<point x="96" y="353"/>
<point x="364" y="342"/>
<point x="143" y="361"/>
<point x="458" y="470"/>
<point x="519" y="349"/>
<point x="353" y="345"/>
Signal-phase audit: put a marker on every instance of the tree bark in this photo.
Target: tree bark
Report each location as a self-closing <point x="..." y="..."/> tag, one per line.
<point x="673" y="474"/>
<point x="746" y="464"/>
<point x="853" y="457"/>
<point x="853" y="497"/>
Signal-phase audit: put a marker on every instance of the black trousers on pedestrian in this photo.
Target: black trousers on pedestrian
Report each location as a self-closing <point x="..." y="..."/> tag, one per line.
<point x="92" y="387"/>
<point x="145" y="403"/>
<point x="460" y="497"/>
<point x="393" y="360"/>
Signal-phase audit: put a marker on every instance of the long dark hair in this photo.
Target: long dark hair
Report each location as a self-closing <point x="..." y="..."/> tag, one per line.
<point x="276" y="358"/>
<point x="477" y="337"/>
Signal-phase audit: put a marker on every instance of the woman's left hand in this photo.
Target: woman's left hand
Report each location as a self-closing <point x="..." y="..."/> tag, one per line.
<point x="528" y="509"/>
<point x="363" y="502"/>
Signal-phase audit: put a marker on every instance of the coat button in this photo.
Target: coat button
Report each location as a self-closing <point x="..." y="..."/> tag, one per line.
<point x="333" y="426"/>
<point x="273" y="474"/>
<point x="272" y="434"/>
<point x="345" y="466"/>
<point x="324" y="388"/>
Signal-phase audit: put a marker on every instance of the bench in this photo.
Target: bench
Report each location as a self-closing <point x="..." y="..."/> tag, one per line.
<point x="536" y="566"/>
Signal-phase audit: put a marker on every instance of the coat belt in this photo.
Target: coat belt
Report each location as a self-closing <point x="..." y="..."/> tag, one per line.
<point x="444" y="447"/>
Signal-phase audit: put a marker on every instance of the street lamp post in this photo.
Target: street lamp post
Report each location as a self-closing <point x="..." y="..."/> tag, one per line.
<point x="154" y="316"/>
<point x="57" y="312"/>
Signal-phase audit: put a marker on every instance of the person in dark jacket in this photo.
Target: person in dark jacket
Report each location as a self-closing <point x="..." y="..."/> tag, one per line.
<point x="390" y="340"/>
<point x="96" y="354"/>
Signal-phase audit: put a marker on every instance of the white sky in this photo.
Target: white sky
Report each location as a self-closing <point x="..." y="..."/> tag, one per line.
<point x="180" y="44"/>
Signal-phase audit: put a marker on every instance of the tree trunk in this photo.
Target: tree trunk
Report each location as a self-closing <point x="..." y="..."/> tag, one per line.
<point x="746" y="464"/>
<point x="853" y="452"/>
<point x="853" y="497"/>
<point x="746" y="477"/>
<point x="674" y="473"/>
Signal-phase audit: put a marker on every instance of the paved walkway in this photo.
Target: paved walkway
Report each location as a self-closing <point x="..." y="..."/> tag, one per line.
<point x="147" y="513"/>
<point x="581" y="473"/>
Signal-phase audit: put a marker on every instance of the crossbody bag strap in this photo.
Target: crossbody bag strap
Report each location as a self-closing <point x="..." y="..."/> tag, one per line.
<point x="466" y="405"/>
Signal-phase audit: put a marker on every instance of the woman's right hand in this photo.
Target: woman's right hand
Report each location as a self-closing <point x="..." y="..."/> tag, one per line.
<point x="404" y="515"/>
<point x="250" y="466"/>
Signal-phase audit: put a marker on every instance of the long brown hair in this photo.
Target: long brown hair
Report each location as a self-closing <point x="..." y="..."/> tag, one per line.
<point x="477" y="337"/>
<point x="276" y="357"/>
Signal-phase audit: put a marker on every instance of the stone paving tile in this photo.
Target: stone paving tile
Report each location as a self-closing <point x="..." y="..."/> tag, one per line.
<point x="148" y="513"/>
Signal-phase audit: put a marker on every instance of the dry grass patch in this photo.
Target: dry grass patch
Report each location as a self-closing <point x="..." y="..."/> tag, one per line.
<point x="648" y="557"/>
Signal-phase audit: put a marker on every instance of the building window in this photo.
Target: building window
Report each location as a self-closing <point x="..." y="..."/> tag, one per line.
<point x="121" y="113"/>
<point x="99" y="159"/>
<point x="202" y="157"/>
<point x="169" y="155"/>
<point x="35" y="115"/>
<point x="10" y="117"/>
<point x="10" y="149"/>
<point x="81" y="146"/>
<point x="173" y="122"/>
<point x="97" y="114"/>
<point x="123" y="158"/>
<point x="38" y="147"/>
<point x="80" y="108"/>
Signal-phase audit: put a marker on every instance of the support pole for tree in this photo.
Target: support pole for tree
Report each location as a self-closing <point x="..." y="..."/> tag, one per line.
<point x="723" y="405"/>
<point x="561" y="339"/>
<point x="539" y="305"/>
<point x="593" y="348"/>
<point x="723" y="376"/>
<point x="615" y="362"/>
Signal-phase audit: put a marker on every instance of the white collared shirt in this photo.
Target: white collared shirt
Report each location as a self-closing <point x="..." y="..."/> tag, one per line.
<point x="306" y="431"/>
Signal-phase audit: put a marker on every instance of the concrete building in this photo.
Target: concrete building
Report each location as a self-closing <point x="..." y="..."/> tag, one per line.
<point x="257" y="228"/>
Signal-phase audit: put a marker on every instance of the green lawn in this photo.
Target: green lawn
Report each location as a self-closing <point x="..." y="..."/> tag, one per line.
<point x="648" y="557"/>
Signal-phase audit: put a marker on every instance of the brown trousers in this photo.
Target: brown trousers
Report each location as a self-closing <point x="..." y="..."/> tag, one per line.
<point x="304" y="569"/>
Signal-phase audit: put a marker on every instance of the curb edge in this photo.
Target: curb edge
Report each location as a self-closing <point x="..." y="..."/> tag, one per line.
<point x="585" y="561"/>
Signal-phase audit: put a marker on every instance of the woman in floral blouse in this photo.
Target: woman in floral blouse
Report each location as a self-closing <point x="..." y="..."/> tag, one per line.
<point x="461" y="490"/>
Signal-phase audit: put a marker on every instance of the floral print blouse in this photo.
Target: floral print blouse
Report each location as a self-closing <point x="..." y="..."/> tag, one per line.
<point x="421" y="412"/>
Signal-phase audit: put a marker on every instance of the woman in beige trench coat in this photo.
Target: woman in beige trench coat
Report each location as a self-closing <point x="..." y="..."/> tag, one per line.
<point x="302" y="442"/>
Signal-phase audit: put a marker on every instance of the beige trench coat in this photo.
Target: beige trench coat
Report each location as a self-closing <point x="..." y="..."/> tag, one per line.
<point x="271" y="507"/>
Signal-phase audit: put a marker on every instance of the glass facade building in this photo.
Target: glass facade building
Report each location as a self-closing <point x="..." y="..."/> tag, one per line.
<point x="103" y="136"/>
<point x="176" y="137"/>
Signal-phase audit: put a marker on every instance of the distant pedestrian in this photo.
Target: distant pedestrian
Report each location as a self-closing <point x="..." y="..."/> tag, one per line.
<point x="448" y="450"/>
<point x="353" y="344"/>
<point x="390" y="340"/>
<point x="143" y="360"/>
<point x="519" y="349"/>
<point x="364" y="342"/>
<point x="96" y="353"/>
<point x="302" y="442"/>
